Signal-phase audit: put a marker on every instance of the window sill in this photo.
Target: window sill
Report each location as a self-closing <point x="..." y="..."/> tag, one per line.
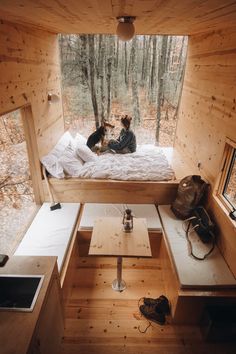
<point x="224" y="210"/>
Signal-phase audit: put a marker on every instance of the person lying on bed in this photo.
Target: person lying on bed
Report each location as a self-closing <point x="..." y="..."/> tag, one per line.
<point x="126" y="143"/>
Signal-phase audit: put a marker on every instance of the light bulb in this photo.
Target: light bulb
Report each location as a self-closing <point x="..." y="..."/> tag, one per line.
<point x="125" y="31"/>
<point x="125" y="28"/>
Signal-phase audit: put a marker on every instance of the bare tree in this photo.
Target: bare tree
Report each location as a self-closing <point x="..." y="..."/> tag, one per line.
<point x="101" y="75"/>
<point x="84" y="59"/>
<point x="181" y="69"/>
<point x="134" y="70"/>
<point x="152" y="82"/>
<point x="168" y="56"/>
<point x="101" y="68"/>
<point x="92" y="78"/>
<point x="161" y="71"/>
<point x="116" y="66"/>
<point x="144" y="61"/>
<point x="110" y="56"/>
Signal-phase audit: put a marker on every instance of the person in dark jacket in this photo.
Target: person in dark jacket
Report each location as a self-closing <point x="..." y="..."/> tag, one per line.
<point x="126" y="143"/>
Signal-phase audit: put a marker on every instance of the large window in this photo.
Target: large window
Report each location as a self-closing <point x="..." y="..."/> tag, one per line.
<point x="17" y="204"/>
<point x="227" y="185"/>
<point x="104" y="78"/>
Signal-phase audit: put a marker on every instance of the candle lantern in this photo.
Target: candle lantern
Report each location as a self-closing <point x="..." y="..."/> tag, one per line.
<point x="128" y="220"/>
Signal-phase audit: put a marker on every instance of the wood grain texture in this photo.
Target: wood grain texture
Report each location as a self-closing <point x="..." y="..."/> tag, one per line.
<point x="51" y="321"/>
<point x="187" y="305"/>
<point x="102" y="321"/>
<point x="226" y="233"/>
<point x="72" y="252"/>
<point x="211" y="273"/>
<point x="17" y="328"/>
<point x="32" y="150"/>
<point x="111" y="191"/>
<point x="92" y="16"/>
<point x="29" y="69"/>
<point x="208" y="117"/>
<point x="207" y="114"/>
<point x="109" y="239"/>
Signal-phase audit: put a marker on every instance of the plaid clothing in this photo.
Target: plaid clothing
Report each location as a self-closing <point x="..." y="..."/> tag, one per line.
<point x="126" y="140"/>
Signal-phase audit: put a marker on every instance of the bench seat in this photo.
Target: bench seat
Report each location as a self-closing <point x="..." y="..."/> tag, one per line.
<point x="92" y="211"/>
<point x="50" y="232"/>
<point x="213" y="272"/>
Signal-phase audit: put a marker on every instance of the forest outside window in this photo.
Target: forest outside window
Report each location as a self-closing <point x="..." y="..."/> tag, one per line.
<point x="104" y="78"/>
<point x="17" y="191"/>
<point x="227" y="185"/>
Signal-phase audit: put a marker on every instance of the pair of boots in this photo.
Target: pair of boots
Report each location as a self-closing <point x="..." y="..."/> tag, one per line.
<point x="155" y="309"/>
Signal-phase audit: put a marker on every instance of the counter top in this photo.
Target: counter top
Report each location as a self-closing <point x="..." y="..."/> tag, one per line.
<point x="17" y="328"/>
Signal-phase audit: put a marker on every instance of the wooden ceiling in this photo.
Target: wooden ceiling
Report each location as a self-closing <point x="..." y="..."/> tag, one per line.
<point x="99" y="16"/>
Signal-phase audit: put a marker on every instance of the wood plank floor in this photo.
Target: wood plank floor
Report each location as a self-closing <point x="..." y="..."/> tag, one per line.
<point x="102" y="321"/>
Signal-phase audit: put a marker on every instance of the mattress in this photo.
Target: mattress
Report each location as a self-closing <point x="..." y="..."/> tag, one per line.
<point x="92" y="211"/>
<point x="50" y="232"/>
<point x="148" y="163"/>
<point x="192" y="273"/>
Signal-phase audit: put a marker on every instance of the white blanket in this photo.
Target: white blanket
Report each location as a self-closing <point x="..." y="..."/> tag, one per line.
<point x="148" y="163"/>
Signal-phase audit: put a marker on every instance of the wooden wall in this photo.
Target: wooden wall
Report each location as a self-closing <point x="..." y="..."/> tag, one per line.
<point x="29" y="69"/>
<point x="183" y="17"/>
<point x="207" y="115"/>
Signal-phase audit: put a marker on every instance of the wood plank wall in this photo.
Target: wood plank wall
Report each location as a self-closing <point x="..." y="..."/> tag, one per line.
<point x="207" y="115"/>
<point x="29" y="69"/>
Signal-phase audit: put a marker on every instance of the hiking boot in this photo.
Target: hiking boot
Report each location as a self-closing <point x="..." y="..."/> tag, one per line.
<point x="161" y="302"/>
<point x="152" y="313"/>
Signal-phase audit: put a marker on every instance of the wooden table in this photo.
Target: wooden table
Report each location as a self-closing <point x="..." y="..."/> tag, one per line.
<point x="109" y="239"/>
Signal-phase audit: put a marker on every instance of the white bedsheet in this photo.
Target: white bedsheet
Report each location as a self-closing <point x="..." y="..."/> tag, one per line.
<point x="147" y="163"/>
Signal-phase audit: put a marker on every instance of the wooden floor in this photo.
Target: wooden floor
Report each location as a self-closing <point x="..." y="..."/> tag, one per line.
<point x="102" y="321"/>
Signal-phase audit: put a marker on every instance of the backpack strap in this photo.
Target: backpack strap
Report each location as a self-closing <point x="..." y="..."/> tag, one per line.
<point x="190" y="247"/>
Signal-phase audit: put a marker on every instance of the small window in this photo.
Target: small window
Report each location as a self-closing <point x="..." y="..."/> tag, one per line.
<point x="227" y="184"/>
<point x="230" y="185"/>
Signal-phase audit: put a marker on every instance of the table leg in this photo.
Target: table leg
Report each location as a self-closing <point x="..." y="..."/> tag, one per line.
<point x="119" y="284"/>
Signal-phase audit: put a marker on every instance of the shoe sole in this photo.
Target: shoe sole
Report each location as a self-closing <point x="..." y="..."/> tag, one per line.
<point x="150" y="318"/>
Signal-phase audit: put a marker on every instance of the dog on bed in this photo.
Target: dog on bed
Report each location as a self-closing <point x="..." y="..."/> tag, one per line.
<point x="99" y="135"/>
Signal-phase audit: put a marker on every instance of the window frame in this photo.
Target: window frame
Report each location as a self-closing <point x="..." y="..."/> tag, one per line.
<point x="32" y="149"/>
<point x="226" y="169"/>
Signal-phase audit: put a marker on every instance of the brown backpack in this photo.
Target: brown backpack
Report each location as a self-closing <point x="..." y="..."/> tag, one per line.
<point x="190" y="193"/>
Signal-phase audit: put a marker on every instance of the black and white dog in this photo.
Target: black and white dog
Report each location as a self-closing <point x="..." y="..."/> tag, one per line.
<point x="99" y="135"/>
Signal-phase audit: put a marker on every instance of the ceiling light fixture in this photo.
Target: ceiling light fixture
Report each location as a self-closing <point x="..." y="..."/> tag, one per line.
<point x="125" y="29"/>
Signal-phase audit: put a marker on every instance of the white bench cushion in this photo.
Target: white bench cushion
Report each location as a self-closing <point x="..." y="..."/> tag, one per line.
<point x="50" y="232"/>
<point x="92" y="211"/>
<point x="213" y="271"/>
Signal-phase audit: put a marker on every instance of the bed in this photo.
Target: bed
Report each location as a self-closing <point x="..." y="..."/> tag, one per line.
<point x="79" y="175"/>
<point x="72" y="158"/>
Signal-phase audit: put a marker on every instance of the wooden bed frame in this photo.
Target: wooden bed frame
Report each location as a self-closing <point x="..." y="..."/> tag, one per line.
<point x="110" y="191"/>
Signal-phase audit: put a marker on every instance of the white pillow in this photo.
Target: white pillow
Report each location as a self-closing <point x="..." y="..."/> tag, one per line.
<point x="71" y="162"/>
<point x="62" y="143"/>
<point x="80" y="139"/>
<point x="53" y="166"/>
<point x="84" y="152"/>
<point x="51" y="160"/>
